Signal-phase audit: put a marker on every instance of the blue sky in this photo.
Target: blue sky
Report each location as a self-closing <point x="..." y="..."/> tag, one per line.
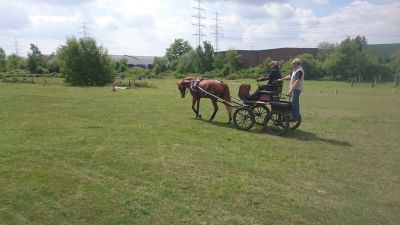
<point x="148" y="27"/>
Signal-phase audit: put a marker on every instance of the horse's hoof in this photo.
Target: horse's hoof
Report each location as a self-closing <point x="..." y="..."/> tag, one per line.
<point x="199" y="116"/>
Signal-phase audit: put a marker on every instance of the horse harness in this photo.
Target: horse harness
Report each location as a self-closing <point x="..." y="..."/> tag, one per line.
<point x="196" y="89"/>
<point x="194" y="84"/>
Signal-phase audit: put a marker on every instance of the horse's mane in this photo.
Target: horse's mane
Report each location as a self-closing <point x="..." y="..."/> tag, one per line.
<point x="184" y="79"/>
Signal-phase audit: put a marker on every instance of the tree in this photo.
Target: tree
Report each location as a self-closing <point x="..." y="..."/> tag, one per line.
<point x="361" y="42"/>
<point x="186" y="63"/>
<point x="232" y="59"/>
<point x="159" y="65"/>
<point x="218" y="61"/>
<point x="14" y="62"/>
<point x="176" y="50"/>
<point x="2" y="60"/>
<point x="311" y="67"/>
<point x="82" y="62"/>
<point x="199" y="60"/>
<point x="208" y="58"/>
<point x="52" y="64"/>
<point x="372" y="68"/>
<point x="35" y="59"/>
<point x="121" y="65"/>
<point x="324" y="49"/>
<point x="395" y="62"/>
<point x="346" y="61"/>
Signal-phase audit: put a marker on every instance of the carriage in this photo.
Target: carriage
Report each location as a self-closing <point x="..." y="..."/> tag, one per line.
<point x="271" y="110"/>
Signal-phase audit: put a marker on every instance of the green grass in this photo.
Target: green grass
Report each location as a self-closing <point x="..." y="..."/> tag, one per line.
<point x="71" y="155"/>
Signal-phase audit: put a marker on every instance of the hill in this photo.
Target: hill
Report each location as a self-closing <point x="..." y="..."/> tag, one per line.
<point x="383" y="51"/>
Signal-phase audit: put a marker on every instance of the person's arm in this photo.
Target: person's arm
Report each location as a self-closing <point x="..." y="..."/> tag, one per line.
<point x="262" y="78"/>
<point x="285" y="78"/>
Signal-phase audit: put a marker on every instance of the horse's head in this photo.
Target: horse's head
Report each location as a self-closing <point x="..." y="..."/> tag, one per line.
<point x="183" y="84"/>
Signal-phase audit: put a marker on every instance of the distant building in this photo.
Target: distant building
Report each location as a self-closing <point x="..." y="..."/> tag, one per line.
<point x="251" y="58"/>
<point x="146" y="62"/>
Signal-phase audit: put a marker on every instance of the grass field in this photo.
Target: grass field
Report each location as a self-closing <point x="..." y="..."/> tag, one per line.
<point x="71" y="155"/>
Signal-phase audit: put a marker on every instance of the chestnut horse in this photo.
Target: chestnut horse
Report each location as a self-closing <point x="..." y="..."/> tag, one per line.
<point x="196" y="86"/>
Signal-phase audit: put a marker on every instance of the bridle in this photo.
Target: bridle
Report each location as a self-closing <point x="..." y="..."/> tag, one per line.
<point x="183" y="85"/>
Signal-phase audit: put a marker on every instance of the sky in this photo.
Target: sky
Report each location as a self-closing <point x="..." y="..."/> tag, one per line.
<point x="148" y="27"/>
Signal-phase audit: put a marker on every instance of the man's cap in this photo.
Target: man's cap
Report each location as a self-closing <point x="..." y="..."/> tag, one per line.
<point x="273" y="63"/>
<point x="297" y="61"/>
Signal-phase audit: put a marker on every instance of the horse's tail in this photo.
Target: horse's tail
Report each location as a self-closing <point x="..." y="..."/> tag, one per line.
<point x="227" y="97"/>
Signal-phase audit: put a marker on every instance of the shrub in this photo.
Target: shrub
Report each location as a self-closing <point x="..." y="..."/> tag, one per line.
<point x="84" y="63"/>
<point x="17" y="80"/>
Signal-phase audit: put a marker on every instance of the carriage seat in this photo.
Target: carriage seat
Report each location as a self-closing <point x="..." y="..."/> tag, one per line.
<point x="282" y="106"/>
<point x="269" y="92"/>
<point x="244" y="91"/>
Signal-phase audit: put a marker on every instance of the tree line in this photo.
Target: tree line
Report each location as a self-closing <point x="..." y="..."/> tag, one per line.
<point x="83" y="62"/>
<point x="343" y="61"/>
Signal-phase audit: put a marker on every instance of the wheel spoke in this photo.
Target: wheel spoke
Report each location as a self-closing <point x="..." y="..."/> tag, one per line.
<point x="243" y="118"/>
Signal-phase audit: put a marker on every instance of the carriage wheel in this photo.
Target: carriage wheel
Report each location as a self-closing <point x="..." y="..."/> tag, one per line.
<point x="260" y="111"/>
<point x="276" y="123"/>
<point x="294" y="124"/>
<point x="243" y="118"/>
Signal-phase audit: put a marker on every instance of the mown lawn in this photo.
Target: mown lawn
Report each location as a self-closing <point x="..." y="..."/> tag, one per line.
<point x="71" y="155"/>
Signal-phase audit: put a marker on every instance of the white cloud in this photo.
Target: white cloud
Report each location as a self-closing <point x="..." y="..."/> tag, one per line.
<point x="12" y="17"/>
<point x="148" y="27"/>
<point x="379" y="23"/>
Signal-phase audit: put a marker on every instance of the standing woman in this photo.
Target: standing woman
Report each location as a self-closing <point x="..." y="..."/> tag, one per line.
<point x="296" y="86"/>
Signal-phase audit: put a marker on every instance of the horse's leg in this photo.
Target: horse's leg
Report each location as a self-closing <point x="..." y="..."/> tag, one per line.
<point x="198" y="107"/>
<point x="214" y="102"/>
<point x="229" y="108"/>
<point x="194" y="100"/>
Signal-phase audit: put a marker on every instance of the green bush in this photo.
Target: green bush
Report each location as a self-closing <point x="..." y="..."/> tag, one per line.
<point x="17" y="80"/>
<point x="84" y="63"/>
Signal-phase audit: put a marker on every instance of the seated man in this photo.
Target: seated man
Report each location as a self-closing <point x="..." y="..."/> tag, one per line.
<point x="273" y="76"/>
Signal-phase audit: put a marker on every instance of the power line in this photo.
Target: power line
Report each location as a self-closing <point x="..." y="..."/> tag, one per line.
<point x="199" y="25"/>
<point x="217" y="31"/>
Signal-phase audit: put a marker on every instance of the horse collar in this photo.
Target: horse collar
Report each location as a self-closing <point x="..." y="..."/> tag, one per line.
<point x="195" y="83"/>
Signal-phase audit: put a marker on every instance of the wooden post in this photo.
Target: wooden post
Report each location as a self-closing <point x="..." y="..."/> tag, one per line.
<point x="396" y="84"/>
<point x="374" y="81"/>
<point x="113" y="86"/>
